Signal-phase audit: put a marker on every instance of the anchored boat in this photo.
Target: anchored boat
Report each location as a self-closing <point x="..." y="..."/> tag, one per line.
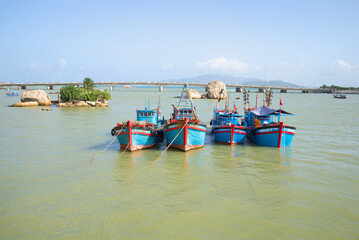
<point x="184" y="130"/>
<point x="340" y="96"/>
<point x="12" y="94"/>
<point x="262" y="127"/>
<point x="145" y="132"/>
<point x="226" y="126"/>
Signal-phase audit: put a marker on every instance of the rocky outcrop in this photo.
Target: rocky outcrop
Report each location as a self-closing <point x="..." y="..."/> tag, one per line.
<point x="194" y="94"/>
<point x="84" y="104"/>
<point x="216" y="89"/>
<point x="25" y="104"/>
<point x="39" y="96"/>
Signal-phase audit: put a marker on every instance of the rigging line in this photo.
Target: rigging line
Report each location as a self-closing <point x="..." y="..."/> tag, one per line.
<point x="106" y="147"/>
<point x="168" y="145"/>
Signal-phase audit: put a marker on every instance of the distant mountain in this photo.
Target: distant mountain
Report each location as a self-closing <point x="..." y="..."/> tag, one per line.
<point x="229" y="79"/>
<point x="276" y="83"/>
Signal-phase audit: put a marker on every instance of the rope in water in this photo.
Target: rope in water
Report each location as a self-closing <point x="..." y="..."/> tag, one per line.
<point x="106" y="147"/>
<point x="249" y="182"/>
<point x="168" y="145"/>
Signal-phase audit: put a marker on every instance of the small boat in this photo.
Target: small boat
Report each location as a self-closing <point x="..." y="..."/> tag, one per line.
<point x="145" y="132"/>
<point x="262" y="127"/>
<point x="13" y="94"/>
<point x="340" y="96"/>
<point x="226" y="126"/>
<point x="184" y="130"/>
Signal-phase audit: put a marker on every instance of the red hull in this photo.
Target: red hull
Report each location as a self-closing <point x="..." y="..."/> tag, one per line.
<point x="133" y="148"/>
<point x="187" y="147"/>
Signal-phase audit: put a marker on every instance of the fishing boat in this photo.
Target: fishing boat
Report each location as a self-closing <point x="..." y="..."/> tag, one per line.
<point x="226" y="125"/>
<point x="264" y="125"/>
<point x="145" y="132"/>
<point x="184" y="130"/>
<point x="12" y="94"/>
<point x="340" y="96"/>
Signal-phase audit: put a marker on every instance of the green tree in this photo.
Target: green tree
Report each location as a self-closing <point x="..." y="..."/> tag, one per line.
<point x="88" y="84"/>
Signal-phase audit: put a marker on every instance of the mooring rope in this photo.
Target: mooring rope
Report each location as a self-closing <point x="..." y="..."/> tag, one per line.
<point x="106" y="147"/>
<point x="249" y="182"/>
<point x="124" y="150"/>
<point x="169" y="145"/>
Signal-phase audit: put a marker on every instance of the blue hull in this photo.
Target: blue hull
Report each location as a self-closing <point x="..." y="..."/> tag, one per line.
<point x="225" y="134"/>
<point x="185" y="138"/>
<point x="272" y="136"/>
<point x="139" y="138"/>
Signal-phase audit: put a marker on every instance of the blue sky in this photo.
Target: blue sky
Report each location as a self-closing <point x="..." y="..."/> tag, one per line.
<point x="303" y="42"/>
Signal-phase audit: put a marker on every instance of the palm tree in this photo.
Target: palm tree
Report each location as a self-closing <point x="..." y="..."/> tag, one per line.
<point x="88" y="84"/>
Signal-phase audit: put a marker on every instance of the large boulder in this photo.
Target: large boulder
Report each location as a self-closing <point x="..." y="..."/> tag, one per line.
<point x="25" y="104"/>
<point x="194" y="94"/>
<point x="216" y="89"/>
<point x="39" y="96"/>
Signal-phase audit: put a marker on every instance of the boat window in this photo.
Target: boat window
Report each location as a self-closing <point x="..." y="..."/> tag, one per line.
<point x="145" y="114"/>
<point x="141" y="114"/>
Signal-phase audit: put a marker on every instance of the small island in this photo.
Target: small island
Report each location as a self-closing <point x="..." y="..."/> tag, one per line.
<point x="86" y="96"/>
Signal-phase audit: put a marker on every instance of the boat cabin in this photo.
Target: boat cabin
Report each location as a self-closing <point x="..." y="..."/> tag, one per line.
<point x="148" y="115"/>
<point x="179" y="113"/>
<point x="222" y="117"/>
<point x="263" y="115"/>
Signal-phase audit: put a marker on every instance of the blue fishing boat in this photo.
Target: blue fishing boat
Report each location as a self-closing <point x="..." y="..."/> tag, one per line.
<point x="226" y="126"/>
<point x="12" y="94"/>
<point x="264" y="125"/>
<point x="145" y="132"/>
<point x="184" y="130"/>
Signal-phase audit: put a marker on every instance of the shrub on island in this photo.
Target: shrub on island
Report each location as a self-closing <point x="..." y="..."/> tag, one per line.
<point x="86" y="96"/>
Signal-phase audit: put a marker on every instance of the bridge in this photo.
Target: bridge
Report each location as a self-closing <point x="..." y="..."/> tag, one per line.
<point x="238" y="87"/>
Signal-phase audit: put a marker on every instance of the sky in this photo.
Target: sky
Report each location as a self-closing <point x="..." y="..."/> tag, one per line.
<point x="309" y="43"/>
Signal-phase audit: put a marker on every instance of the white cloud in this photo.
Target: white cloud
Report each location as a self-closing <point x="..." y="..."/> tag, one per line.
<point x="284" y="65"/>
<point x="168" y="66"/>
<point x="35" y="66"/>
<point x="223" y="64"/>
<point x="62" y="63"/>
<point x="343" y="65"/>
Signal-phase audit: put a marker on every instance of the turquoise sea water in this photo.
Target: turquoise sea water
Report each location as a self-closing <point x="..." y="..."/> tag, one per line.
<point x="48" y="191"/>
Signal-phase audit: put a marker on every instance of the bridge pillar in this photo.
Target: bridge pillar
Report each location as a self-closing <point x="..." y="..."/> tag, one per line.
<point x="261" y="90"/>
<point x="160" y="88"/>
<point x="284" y="91"/>
<point x="22" y="87"/>
<point x="305" y="91"/>
<point x="239" y="89"/>
<point x="50" y="87"/>
<point x="112" y="88"/>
